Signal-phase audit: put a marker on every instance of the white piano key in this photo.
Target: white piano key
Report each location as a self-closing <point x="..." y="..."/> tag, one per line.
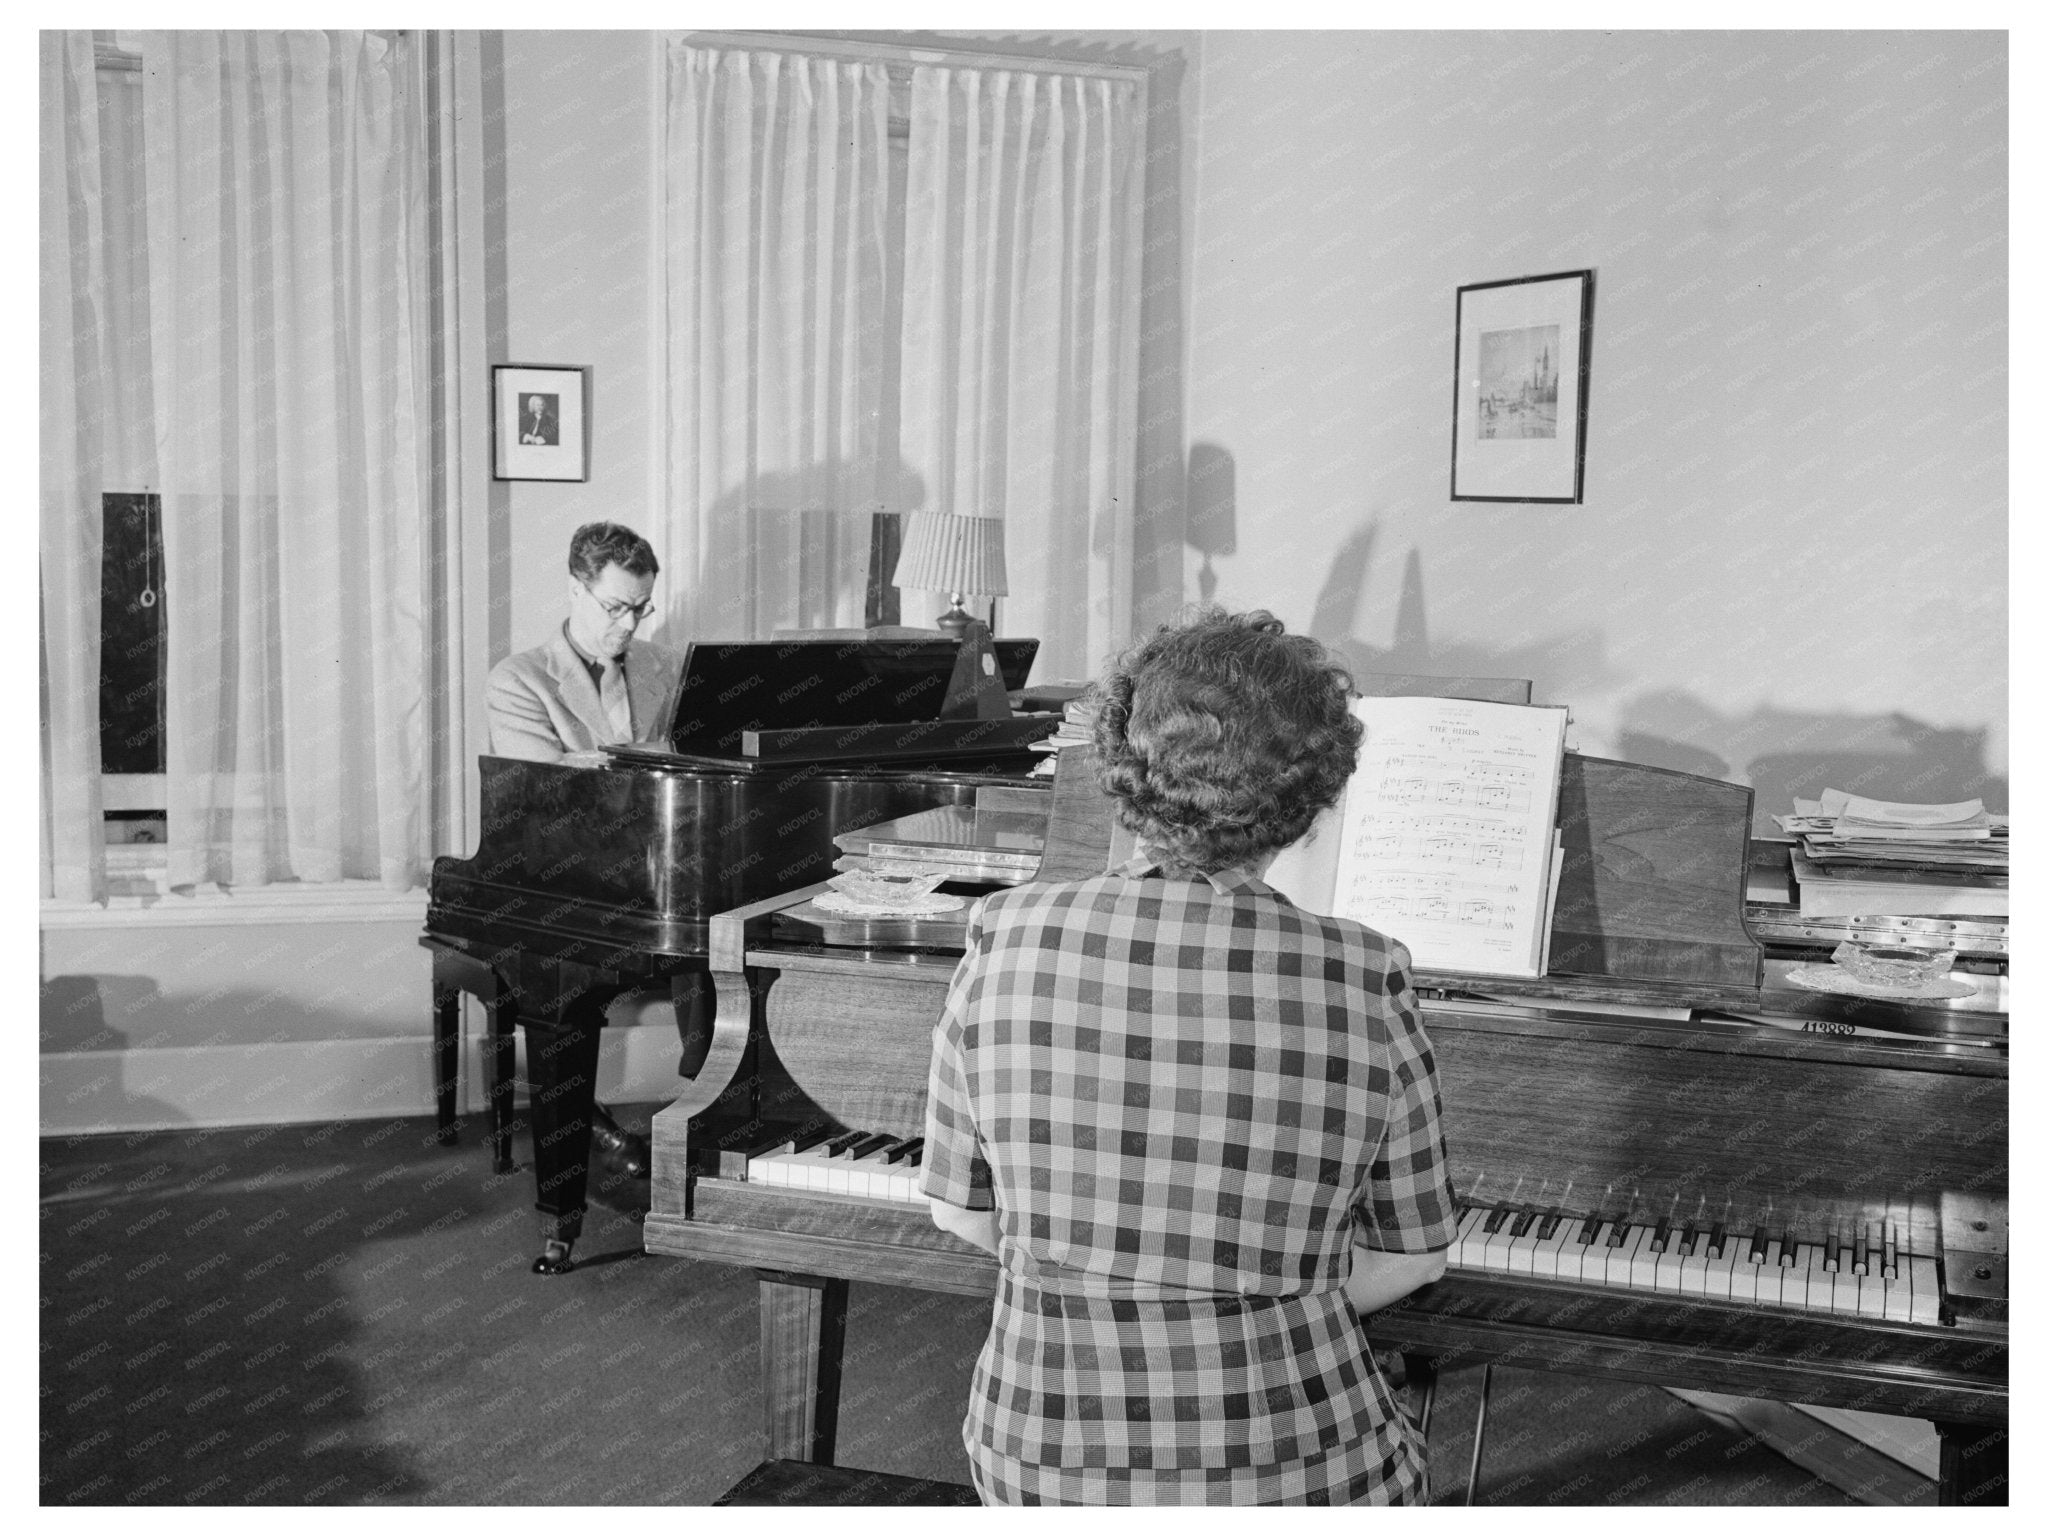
<point x="1546" y="1257"/>
<point x="1803" y="1282"/>
<point x="1638" y="1262"/>
<point x="1520" y="1250"/>
<point x="1770" y="1275"/>
<point x="1926" y="1286"/>
<point x="1471" y="1237"/>
<point x="1720" y="1269"/>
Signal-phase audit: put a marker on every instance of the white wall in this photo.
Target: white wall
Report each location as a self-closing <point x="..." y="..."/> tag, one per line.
<point x="572" y="121"/>
<point x="1790" y="565"/>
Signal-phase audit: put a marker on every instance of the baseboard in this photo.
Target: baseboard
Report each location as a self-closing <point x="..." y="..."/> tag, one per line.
<point x="202" y="1087"/>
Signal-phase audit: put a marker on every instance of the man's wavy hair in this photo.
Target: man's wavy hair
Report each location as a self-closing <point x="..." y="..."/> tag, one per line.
<point x="597" y="545"/>
<point x="1222" y="737"/>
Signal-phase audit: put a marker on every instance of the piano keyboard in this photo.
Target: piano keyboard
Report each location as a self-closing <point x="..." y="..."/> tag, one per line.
<point x="869" y="1165"/>
<point x="1861" y="1276"/>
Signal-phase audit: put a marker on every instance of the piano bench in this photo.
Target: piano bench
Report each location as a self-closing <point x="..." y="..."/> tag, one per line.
<point x="808" y="1482"/>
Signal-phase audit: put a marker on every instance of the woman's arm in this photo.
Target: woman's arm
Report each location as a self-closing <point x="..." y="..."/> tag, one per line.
<point x="1379" y="1278"/>
<point x="976" y="1227"/>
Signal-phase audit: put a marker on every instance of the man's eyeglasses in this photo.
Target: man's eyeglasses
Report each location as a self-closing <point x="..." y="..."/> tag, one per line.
<point x="619" y="612"/>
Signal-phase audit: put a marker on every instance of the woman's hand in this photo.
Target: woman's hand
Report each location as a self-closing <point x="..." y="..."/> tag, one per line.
<point x="976" y="1227"/>
<point x="1379" y="1278"/>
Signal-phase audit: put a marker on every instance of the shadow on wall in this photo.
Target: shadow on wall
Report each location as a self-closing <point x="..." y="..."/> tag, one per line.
<point x="72" y="1020"/>
<point x="778" y="552"/>
<point x="1564" y="666"/>
<point x="1780" y="753"/>
<point x="1784" y="753"/>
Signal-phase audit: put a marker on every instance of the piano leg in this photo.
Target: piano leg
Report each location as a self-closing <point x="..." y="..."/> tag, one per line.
<point x="504" y="1067"/>
<point x="803" y="1339"/>
<point x="1973" y="1464"/>
<point x="561" y="1070"/>
<point x="447" y="1040"/>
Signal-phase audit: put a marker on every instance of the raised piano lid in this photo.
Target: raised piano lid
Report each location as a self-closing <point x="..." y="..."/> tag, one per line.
<point x="734" y="692"/>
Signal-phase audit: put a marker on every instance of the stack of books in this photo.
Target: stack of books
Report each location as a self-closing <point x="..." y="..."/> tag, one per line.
<point x="956" y="842"/>
<point x="1890" y="858"/>
<point x="1077" y="729"/>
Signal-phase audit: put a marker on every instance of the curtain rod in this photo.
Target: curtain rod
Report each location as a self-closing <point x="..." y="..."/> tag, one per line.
<point x="908" y="54"/>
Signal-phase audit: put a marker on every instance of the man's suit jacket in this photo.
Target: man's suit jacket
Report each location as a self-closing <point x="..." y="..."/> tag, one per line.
<point x="543" y="703"/>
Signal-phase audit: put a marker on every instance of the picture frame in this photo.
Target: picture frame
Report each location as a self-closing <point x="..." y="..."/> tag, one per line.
<point x="540" y="421"/>
<point x="1520" y="388"/>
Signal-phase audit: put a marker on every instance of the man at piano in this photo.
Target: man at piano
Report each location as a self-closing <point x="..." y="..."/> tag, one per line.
<point x="592" y="684"/>
<point x="1198" y="1126"/>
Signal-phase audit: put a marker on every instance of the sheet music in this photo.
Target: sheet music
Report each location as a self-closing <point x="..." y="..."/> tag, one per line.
<point x="1446" y="833"/>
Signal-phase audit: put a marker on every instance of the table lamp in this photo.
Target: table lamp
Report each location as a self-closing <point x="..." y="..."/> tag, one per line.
<point x="960" y="556"/>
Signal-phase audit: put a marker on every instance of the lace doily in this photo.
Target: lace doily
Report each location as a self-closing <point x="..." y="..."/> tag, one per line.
<point x="1832" y="978"/>
<point x="904" y="906"/>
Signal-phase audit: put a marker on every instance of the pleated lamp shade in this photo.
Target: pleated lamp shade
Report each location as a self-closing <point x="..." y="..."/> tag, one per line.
<point x="960" y="556"/>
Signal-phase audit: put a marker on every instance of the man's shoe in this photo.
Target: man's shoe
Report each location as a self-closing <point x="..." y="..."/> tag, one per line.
<point x="621" y="1150"/>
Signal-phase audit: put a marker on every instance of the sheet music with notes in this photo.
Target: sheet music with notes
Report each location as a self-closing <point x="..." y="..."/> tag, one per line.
<point x="1445" y="836"/>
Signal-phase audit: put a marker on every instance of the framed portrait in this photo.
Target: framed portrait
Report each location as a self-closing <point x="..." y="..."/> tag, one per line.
<point x="540" y="422"/>
<point x="1518" y="409"/>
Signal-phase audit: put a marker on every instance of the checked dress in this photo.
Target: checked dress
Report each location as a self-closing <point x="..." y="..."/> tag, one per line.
<point x="1186" y="1099"/>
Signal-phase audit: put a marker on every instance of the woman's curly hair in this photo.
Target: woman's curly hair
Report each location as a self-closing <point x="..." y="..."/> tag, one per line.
<point x="1223" y="737"/>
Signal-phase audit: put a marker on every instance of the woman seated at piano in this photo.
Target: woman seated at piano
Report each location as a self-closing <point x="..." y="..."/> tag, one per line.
<point x="1197" y="1125"/>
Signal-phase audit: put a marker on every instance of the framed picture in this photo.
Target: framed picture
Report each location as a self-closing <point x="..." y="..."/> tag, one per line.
<point x="1518" y="408"/>
<point x="540" y="422"/>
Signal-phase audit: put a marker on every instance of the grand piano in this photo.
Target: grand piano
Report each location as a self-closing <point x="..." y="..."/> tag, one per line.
<point x="598" y="876"/>
<point x="1675" y="1167"/>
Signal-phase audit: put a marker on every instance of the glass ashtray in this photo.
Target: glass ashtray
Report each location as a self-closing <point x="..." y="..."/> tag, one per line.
<point x="1895" y="965"/>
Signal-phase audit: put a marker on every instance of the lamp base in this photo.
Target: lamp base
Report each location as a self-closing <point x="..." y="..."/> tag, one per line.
<point x="954" y="620"/>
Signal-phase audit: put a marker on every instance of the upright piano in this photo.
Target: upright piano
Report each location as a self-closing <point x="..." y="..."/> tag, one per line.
<point x="598" y="876"/>
<point x="1707" y="1178"/>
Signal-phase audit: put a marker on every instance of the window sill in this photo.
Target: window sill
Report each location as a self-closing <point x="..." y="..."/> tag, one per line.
<point x="347" y="901"/>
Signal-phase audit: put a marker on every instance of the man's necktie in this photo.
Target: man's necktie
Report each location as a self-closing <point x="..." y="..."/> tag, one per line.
<point x="618" y="709"/>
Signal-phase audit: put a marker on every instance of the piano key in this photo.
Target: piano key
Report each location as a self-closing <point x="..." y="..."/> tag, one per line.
<point x="1471" y="1237"/>
<point x="1870" y="1294"/>
<point x="1547" y="1257"/>
<point x="1551" y="1222"/>
<point x="1898" y="1296"/>
<point x="1671" y="1265"/>
<point x="1497" y="1229"/>
<point x="1742" y="1273"/>
<point x="1925" y="1282"/>
<point x="1800" y="1270"/>
<point x="1660" y="1236"/>
<point x="1496" y="1219"/>
<point x="1688" y="1238"/>
<point x="1632" y="1263"/>
<point x="1770" y="1275"/>
<point x="1717" y="1240"/>
<point x="1759" y="1241"/>
<point x="1722" y="1257"/>
<point x="1831" y="1252"/>
<point x="1859" y="1255"/>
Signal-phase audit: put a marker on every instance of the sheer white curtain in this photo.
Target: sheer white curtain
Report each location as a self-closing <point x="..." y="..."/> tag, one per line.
<point x="76" y="372"/>
<point x="1020" y="315"/>
<point x="777" y="187"/>
<point x="287" y="256"/>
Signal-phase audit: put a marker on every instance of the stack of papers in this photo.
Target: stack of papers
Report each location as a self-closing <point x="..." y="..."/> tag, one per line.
<point x="1077" y="729"/>
<point x="1857" y="855"/>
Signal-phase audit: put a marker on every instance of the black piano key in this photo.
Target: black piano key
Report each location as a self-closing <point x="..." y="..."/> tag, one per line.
<point x="806" y="1140"/>
<point x="1717" y="1241"/>
<point x="913" y="1152"/>
<point x="1688" y="1240"/>
<point x="1619" y="1235"/>
<point x="1587" y="1230"/>
<point x="1499" y="1214"/>
<point x="1831" y="1253"/>
<point x="1789" y="1252"/>
<point x="732" y="1161"/>
<point x="869" y="1145"/>
<point x="900" y="1151"/>
<point x="1860" y="1257"/>
<point x="1759" y="1244"/>
<point x="1660" y="1238"/>
<point x="1522" y="1224"/>
<point x="1547" y="1228"/>
<point x="838" y="1146"/>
